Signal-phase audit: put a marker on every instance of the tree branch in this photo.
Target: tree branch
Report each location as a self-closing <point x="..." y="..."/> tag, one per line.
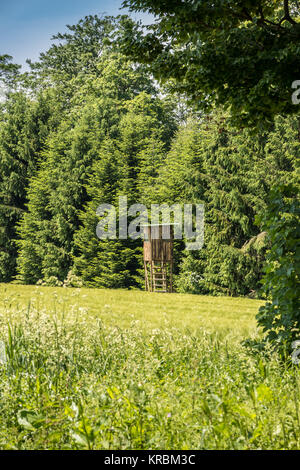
<point x="287" y="15"/>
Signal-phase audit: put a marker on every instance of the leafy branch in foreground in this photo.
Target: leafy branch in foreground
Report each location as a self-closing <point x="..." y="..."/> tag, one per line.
<point x="280" y="317"/>
<point x="243" y="55"/>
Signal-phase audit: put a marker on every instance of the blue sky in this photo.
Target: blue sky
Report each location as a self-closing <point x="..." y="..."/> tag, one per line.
<point x="26" y="26"/>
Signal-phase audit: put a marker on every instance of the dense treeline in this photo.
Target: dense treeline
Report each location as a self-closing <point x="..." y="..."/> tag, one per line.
<point x="87" y="125"/>
<point x="232" y="171"/>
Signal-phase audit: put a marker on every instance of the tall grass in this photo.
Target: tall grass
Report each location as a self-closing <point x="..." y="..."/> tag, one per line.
<point x="71" y="380"/>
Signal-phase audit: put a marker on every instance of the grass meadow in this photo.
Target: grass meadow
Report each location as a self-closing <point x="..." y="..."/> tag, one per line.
<point x="115" y="369"/>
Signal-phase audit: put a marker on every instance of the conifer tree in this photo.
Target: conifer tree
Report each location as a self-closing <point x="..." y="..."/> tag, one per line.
<point x="231" y="172"/>
<point x="127" y="167"/>
<point x="55" y="195"/>
<point x="24" y="127"/>
<point x="58" y="192"/>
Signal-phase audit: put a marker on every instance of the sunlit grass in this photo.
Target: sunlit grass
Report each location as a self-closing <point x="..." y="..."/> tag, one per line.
<point x="115" y="369"/>
<point x="152" y="310"/>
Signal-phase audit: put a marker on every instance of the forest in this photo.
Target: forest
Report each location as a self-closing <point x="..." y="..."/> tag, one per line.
<point x="87" y="124"/>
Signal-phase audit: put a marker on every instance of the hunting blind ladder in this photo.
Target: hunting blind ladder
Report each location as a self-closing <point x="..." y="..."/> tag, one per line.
<point x="158" y="257"/>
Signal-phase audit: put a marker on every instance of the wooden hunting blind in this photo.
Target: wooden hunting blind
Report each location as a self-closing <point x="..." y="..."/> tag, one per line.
<point x="158" y="257"/>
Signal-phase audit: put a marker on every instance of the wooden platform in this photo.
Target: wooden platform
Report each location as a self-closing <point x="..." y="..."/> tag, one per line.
<point x="158" y="258"/>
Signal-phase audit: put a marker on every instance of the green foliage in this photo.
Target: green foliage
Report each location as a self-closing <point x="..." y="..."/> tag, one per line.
<point x="241" y="55"/>
<point x="238" y="55"/>
<point x="24" y="127"/>
<point x="79" y="56"/>
<point x="280" y="317"/>
<point x="70" y="380"/>
<point x="55" y="195"/>
<point x="89" y="125"/>
<point x="73" y="54"/>
<point x="109" y="105"/>
<point x="231" y="172"/>
<point x="94" y="85"/>
<point x="129" y="370"/>
<point x="8" y="71"/>
<point x="127" y="166"/>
